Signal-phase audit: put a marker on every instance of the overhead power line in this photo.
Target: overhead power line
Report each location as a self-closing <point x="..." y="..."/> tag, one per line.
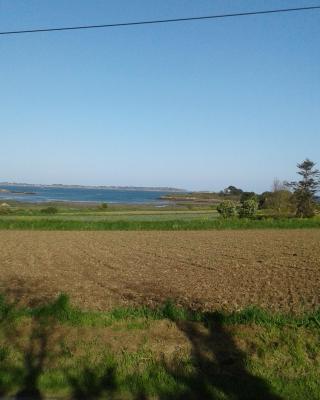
<point x="160" y="21"/>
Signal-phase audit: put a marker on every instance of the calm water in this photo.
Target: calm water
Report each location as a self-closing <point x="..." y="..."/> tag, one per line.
<point x="43" y="194"/>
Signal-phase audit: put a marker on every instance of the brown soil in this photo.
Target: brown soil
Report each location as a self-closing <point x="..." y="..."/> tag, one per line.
<point x="275" y="269"/>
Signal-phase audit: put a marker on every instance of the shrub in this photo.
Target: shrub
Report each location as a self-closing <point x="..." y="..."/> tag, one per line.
<point x="227" y="209"/>
<point x="248" y="196"/>
<point x="248" y="208"/>
<point x="280" y="202"/>
<point x="49" y="210"/>
<point x="103" y="206"/>
<point x="5" y="209"/>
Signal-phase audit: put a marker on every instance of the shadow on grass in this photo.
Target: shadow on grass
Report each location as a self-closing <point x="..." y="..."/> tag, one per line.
<point x="34" y="358"/>
<point x="93" y="385"/>
<point x="29" y="346"/>
<point x="219" y="366"/>
<point x="217" y="369"/>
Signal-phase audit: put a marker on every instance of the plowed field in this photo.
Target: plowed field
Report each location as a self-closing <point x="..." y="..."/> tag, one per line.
<point x="274" y="269"/>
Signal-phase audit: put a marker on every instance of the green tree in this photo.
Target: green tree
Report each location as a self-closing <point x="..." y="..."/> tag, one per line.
<point x="279" y="200"/>
<point x="227" y="209"/>
<point x="247" y="196"/>
<point x="232" y="190"/>
<point x="263" y="199"/>
<point x="304" y="190"/>
<point x="248" y="208"/>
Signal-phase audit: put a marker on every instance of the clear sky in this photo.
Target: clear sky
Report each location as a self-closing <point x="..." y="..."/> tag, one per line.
<point x="198" y="105"/>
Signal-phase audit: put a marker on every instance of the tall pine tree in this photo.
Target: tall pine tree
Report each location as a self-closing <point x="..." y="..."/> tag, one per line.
<point x="304" y="190"/>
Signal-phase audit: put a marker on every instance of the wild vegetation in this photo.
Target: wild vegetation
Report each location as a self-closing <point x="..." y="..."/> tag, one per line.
<point x="184" y="211"/>
<point x="281" y="202"/>
<point x="128" y="224"/>
<point x="49" y="210"/>
<point x="306" y="189"/>
<point x="227" y="209"/>
<point x="163" y="353"/>
<point x="210" y="342"/>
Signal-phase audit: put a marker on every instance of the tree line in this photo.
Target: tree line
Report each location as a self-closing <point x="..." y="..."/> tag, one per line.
<point x="286" y="198"/>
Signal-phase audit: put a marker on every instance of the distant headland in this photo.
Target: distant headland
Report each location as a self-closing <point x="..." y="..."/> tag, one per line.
<point x="59" y="185"/>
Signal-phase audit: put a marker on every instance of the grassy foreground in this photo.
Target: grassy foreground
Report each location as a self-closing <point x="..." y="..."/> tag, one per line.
<point x="177" y="224"/>
<point x="165" y="353"/>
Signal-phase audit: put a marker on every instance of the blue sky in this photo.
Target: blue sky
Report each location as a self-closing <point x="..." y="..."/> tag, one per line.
<point x="199" y="105"/>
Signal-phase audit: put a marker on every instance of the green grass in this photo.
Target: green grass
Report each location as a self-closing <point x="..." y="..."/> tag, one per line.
<point x="35" y="209"/>
<point x="176" y="224"/>
<point x="251" y="354"/>
<point x="65" y="313"/>
<point x="138" y="216"/>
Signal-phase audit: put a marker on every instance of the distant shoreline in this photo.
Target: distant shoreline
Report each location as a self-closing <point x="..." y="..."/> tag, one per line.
<point x="31" y="193"/>
<point x="102" y="187"/>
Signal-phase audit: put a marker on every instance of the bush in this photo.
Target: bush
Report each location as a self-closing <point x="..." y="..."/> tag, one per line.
<point x="5" y="210"/>
<point x="248" y="208"/>
<point x="280" y="202"/>
<point x="49" y="210"/>
<point x="248" y="196"/>
<point x="103" y="206"/>
<point x="305" y="204"/>
<point x="227" y="209"/>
